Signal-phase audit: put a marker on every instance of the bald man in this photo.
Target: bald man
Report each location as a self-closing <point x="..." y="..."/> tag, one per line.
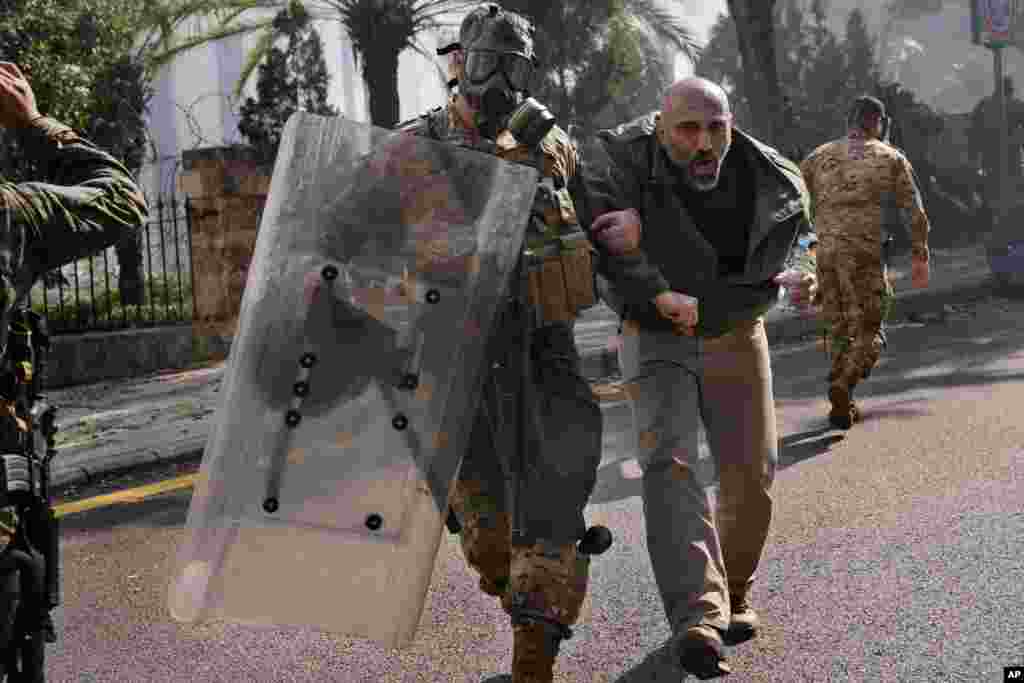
<point x="694" y="219"/>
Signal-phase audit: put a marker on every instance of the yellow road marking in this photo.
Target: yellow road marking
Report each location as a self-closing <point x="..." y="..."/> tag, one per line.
<point x="134" y="495"/>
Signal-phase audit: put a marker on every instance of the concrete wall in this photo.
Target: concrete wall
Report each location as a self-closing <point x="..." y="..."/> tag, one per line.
<point x="228" y="190"/>
<point x="95" y="356"/>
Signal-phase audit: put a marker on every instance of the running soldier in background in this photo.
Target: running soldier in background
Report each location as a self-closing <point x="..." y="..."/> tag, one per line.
<point x="525" y="550"/>
<point x="854" y="182"/>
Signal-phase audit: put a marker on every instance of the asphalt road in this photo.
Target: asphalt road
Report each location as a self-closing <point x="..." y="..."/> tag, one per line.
<point x="897" y="551"/>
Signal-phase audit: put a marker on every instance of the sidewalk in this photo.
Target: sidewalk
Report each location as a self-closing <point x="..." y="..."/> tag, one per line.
<point x="122" y="424"/>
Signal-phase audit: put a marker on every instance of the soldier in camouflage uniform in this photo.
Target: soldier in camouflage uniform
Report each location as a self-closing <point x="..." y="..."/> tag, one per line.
<point x="534" y="566"/>
<point x="89" y="202"/>
<point x="855" y="184"/>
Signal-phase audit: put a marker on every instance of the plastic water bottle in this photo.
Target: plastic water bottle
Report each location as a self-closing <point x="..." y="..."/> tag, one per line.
<point x="801" y="262"/>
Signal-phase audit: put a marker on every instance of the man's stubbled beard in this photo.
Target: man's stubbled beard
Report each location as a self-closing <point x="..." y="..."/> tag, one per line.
<point x="683" y="166"/>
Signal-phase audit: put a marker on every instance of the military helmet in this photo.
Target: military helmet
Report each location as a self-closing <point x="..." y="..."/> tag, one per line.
<point x="490" y="27"/>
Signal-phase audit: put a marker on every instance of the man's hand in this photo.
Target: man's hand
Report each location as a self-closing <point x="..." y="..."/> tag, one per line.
<point x="680" y="309"/>
<point x="802" y="287"/>
<point x="920" y="271"/>
<point x="617" y="231"/>
<point x="17" y="101"/>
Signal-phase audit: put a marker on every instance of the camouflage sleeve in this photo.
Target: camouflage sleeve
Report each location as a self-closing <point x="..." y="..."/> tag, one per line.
<point x="908" y="201"/>
<point x="561" y="157"/>
<point x="807" y="171"/>
<point x="89" y="203"/>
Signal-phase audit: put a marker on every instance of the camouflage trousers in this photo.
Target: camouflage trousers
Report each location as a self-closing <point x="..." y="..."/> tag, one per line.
<point x="533" y="566"/>
<point x="856" y="300"/>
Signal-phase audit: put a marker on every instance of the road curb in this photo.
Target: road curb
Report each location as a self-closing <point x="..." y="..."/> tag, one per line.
<point x="600" y="367"/>
<point x="119" y="463"/>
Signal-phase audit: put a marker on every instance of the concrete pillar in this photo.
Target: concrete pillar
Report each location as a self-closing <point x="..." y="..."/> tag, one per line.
<point x="228" y="190"/>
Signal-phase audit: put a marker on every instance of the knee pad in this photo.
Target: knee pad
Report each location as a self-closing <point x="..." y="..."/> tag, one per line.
<point x="547" y="583"/>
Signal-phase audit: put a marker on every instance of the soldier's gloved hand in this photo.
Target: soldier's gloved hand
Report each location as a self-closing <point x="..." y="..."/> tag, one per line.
<point x="617" y="231"/>
<point x="17" y="101"/>
<point x="920" y="272"/>
<point x="680" y="309"/>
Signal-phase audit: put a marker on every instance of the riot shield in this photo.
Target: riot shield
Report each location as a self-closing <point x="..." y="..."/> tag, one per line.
<point x="380" y="262"/>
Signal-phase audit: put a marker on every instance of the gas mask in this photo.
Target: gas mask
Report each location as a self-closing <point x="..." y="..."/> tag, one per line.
<point x="495" y="86"/>
<point x="498" y="66"/>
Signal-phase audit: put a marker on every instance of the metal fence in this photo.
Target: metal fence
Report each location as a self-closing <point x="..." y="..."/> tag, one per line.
<point x="85" y="297"/>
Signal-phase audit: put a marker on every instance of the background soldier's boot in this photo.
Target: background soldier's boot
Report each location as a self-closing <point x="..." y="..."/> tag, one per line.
<point x="841" y="414"/>
<point x="854" y="410"/>
<point x="547" y="587"/>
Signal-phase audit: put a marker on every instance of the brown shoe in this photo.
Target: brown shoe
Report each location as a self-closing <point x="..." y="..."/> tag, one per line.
<point x="701" y="652"/>
<point x="744" y="623"/>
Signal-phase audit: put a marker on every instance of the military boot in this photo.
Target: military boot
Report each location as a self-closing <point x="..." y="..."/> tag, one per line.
<point x="534" y="650"/>
<point x="841" y="415"/>
<point x="547" y="587"/>
<point x="854" y="409"/>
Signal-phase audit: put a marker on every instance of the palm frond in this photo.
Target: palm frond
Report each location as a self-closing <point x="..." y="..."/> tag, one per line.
<point x="664" y="24"/>
<point x="442" y="73"/>
<point x="212" y="36"/>
<point x="254" y="57"/>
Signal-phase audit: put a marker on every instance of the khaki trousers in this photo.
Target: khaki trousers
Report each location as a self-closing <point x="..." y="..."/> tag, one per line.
<point x="704" y="418"/>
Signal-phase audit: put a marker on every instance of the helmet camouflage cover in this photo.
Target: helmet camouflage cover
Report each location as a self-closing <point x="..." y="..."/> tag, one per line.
<point x="489" y="27"/>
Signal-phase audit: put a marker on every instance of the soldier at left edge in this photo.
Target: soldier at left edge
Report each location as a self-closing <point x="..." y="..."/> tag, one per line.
<point x="86" y="202"/>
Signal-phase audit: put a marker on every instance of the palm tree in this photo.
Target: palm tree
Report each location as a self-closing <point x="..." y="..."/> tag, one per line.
<point x="755" y="31"/>
<point x="380" y="30"/>
<point x="604" y="61"/>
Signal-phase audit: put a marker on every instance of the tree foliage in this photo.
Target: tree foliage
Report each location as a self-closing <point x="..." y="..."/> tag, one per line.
<point x="911" y="10"/>
<point x="604" y="61"/>
<point x="820" y="74"/>
<point x="87" y="69"/>
<point x="380" y="30"/>
<point x="288" y="80"/>
<point x="755" y="35"/>
<point x="82" y="61"/>
<point x="594" y="53"/>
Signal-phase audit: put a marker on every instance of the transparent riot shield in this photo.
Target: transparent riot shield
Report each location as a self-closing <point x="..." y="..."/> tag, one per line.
<point x="380" y="262"/>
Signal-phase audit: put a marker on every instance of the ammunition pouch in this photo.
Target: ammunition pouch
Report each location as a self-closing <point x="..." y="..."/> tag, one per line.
<point x="561" y="278"/>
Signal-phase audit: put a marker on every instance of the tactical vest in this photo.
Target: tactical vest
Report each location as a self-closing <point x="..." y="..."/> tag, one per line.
<point x="557" y="255"/>
<point x="22" y="374"/>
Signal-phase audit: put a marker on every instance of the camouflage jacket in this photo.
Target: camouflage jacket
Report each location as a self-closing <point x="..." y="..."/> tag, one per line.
<point x="88" y="204"/>
<point x="627" y="168"/>
<point x="553" y="204"/>
<point x="859" y="188"/>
